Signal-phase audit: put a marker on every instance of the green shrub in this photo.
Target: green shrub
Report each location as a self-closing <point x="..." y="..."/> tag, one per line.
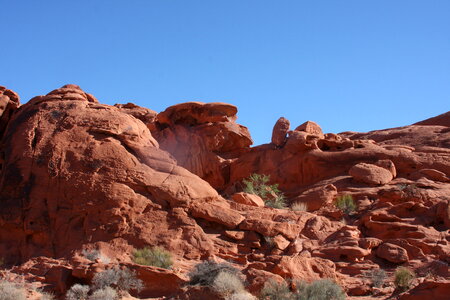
<point x="77" y="292"/>
<point x="274" y="290"/>
<point x="403" y="278"/>
<point x="346" y="203"/>
<point x="155" y="256"/>
<point x="324" y="289"/>
<point x="258" y="184"/>
<point x="377" y="277"/>
<point x="205" y="273"/>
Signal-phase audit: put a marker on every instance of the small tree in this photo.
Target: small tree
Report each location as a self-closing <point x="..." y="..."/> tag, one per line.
<point x="257" y="184"/>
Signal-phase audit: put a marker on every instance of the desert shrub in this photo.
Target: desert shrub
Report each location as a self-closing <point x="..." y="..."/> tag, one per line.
<point x="77" y="292"/>
<point x="403" y="278"/>
<point x="241" y="296"/>
<point x="11" y="291"/>
<point x="227" y="283"/>
<point x="258" y="184"/>
<point x="274" y="290"/>
<point x="122" y="280"/>
<point x="155" y="256"/>
<point x="93" y="255"/>
<point x="206" y="272"/>
<point x="346" y="203"/>
<point x="106" y="293"/>
<point x="299" y="206"/>
<point x="377" y="277"/>
<point x="324" y="289"/>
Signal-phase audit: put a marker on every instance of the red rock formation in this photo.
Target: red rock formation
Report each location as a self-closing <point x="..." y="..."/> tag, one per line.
<point x="9" y="102"/>
<point x="203" y="138"/>
<point x="279" y="132"/>
<point x="78" y="175"/>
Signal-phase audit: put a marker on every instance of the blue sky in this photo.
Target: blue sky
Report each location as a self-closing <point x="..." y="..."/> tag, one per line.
<point x="348" y="65"/>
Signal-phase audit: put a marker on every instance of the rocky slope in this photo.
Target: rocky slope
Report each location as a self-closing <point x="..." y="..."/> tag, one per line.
<point x="78" y="176"/>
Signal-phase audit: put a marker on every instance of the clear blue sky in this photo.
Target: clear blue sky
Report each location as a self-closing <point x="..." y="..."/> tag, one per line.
<point x="348" y="64"/>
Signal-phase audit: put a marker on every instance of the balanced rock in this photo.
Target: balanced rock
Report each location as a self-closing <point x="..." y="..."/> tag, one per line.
<point x="279" y="132"/>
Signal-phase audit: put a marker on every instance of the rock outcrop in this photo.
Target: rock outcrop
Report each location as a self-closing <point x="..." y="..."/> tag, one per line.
<point x="79" y="176"/>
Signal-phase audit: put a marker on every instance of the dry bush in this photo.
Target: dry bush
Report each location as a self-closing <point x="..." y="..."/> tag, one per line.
<point x="77" y="292"/>
<point x="155" y="256"/>
<point x="323" y="289"/>
<point x="122" y="280"/>
<point x="377" y="277"/>
<point x="93" y="255"/>
<point x="403" y="278"/>
<point x="274" y="290"/>
<point x="107" y="293"/>
<point x="227" y="283"/>
<point x="206" y="272"/>
<point x="11" y="291"/>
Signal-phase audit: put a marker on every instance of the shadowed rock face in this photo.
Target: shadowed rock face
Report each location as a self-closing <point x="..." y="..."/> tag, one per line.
<point x="76" y="174"/>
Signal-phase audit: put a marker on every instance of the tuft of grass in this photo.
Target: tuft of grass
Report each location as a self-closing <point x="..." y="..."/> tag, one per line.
<point x="299" y="206"/>
<point x="155" y="256"/>
<point x="403" y="278"/>
<point x="346" y="203"/>
<point x="258" y="184"/>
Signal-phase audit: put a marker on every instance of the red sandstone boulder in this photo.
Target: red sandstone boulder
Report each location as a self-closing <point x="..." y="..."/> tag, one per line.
<point x="248" y="199"/>
<point x="435" y="290"/>
<point x="392" y="253"/>
<point x="317" y="197"/>
<point x="280" y="131"/>
<point x="370" y="174"/>
<point x="311" y="128"/>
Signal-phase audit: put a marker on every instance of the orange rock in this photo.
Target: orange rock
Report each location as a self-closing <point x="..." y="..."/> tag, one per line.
<point x="392" y="253"/>
<point x="370" y="174"/>
<point x="248" y="199"/>
<point x="311" y="128"/>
